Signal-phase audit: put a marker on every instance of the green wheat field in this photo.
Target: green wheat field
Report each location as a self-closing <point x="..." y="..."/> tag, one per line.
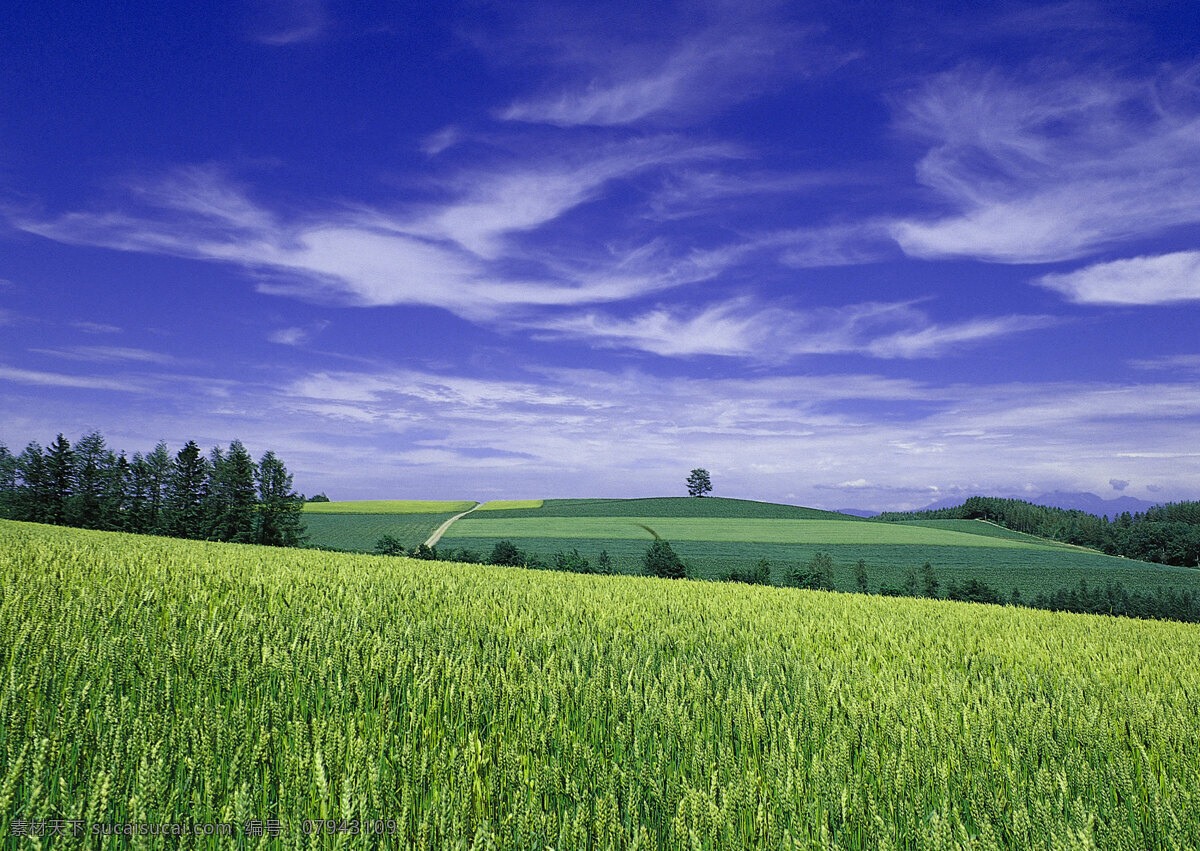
<point x="474" y="707"/>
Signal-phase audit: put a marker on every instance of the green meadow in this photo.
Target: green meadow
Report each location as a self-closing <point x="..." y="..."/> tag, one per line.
<point x="387" y="506"/>
<point x="717" y="536"/>
<point x="440" y="705"/>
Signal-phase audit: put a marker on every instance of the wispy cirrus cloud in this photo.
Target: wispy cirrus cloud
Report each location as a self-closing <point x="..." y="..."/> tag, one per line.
<point x="727" y="54"/>
<point x="108" y="354"/>
<point x="41" y="378"/>
<point x="492" y="205"/>
<point x="297" y="335"/>
<point x="284" y="22"/>
<point x="1172" y="363"/>
<point x="1164" y="279"/>
<point x="743" y="328"/>
<point x="1039" y="167"/>
<point x="450" y="257"/>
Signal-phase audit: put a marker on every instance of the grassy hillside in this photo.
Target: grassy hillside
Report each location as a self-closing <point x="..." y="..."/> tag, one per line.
<point x="155" y="680"/>
<point x="718" y="536"/>
<point x="388" y="506"/>
<point x="510" y="504"/>
<point x="359" y="532"/>
<point x="668" y="506"/>
<point x="747" y="530"/>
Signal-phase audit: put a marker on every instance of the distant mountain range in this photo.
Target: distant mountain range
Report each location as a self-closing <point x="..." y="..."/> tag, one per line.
<point x="1089" y="502"/>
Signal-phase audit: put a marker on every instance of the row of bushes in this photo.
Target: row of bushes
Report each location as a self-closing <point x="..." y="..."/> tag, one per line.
<point x="662" y="561"/>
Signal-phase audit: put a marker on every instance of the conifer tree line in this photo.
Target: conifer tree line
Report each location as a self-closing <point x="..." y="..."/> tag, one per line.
<point x="1165" y="534"/>
<point x="222" y="496"/>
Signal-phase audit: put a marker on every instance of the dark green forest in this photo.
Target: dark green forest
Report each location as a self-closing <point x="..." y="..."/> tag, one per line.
<point x="224" y="496"/>
<point x="1165" y="534"/>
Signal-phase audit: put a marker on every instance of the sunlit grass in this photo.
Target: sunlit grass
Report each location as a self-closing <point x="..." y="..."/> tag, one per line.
<point x="388" y="506"/>
<point x="149" y="679"/>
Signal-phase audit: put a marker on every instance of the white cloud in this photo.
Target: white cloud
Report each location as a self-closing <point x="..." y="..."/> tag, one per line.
<point x="767" y="436"/>
<point x="103" y="354"/>
<point x="697" y="73"/>
<point x="494" y="205"/>
<point x="296" y="335"/>
<point x="81" y="382"/>
<point x="96" y="328"/>
<point x="1038" y="170"/>
<point x="1174" y="363"/>
<point x="443" y="258"/>
<point x="447" y="137"/>
<point x="743" y="328"/>
<point x="1164" y="279"/>
<point x="284" y="22"/>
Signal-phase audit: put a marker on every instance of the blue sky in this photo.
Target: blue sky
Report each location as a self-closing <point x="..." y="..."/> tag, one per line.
<point x="840" y="254"/>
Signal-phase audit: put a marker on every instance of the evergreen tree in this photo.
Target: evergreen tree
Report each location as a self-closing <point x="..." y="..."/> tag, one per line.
<point x="572" y="562"/>
<point x="117" y="497"/>
<point x="817" y="574"/>
<point x="233" y="495"/>
<point x="33" y="495"/>
<point x="604" y="563"/>
<point x="911" y="583"/>
<point x="389" y="545"/>
<point x="929" y="580"/>
<point x="8" y="481"/>
<point x="94" y="465"/>
<point x="860" y="575"/>
<point x="140" y="512"/>
<point x="279" y="522"/>
<point x="661" y="561"/>
<point x="60" y="474"/>
<point x="160" y="469"/>
<point x="184" y="509"/>
<point x="506" y="553"/>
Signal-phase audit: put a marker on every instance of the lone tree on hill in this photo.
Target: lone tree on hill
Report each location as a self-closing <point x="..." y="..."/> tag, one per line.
<point x="699" y="483"/>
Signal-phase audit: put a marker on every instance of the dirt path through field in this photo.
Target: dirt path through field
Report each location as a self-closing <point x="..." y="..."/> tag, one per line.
<point x="441" y="530"/>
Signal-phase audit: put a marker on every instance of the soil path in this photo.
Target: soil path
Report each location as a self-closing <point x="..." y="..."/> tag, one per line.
<point x="441" y="530"/>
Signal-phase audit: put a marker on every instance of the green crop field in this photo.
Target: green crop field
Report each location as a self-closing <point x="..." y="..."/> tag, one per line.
<point x="718" y="536"/>
<point x="510" y="504"/>
<point x="359" y="532"/>
<point x="665" y="506"/>
<point x="148" y="680"/>
<point x="387" y="506"/>
<point x="747" y="530"/>
<point x="980" y="527"/>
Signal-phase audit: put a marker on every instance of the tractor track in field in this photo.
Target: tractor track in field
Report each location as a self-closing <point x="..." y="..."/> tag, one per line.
<point x="441" y="530"/>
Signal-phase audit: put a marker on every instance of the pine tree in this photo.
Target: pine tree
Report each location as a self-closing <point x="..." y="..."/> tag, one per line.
<point x="506" y="553"/>
<point x="186" y="493"/>
<point x="159" y="468"/>
<point x="8" y="481"/>
<point x="279" y="523"/>
<point x="604" y="563"/>
<point x="60" y="475"/>
<point x="140" y="511"/>
<point x="860" y="575"/>
<point x="33" y="495"/>
<point x="817" y="574"/>
<point x="233" y="495"/>
<point x="661" y="561"/>
<point x="929" y="580"/>
<point x="92" y="506"/>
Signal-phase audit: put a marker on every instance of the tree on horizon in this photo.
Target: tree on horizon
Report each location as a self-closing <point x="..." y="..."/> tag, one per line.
<point x="699" y="482"/>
